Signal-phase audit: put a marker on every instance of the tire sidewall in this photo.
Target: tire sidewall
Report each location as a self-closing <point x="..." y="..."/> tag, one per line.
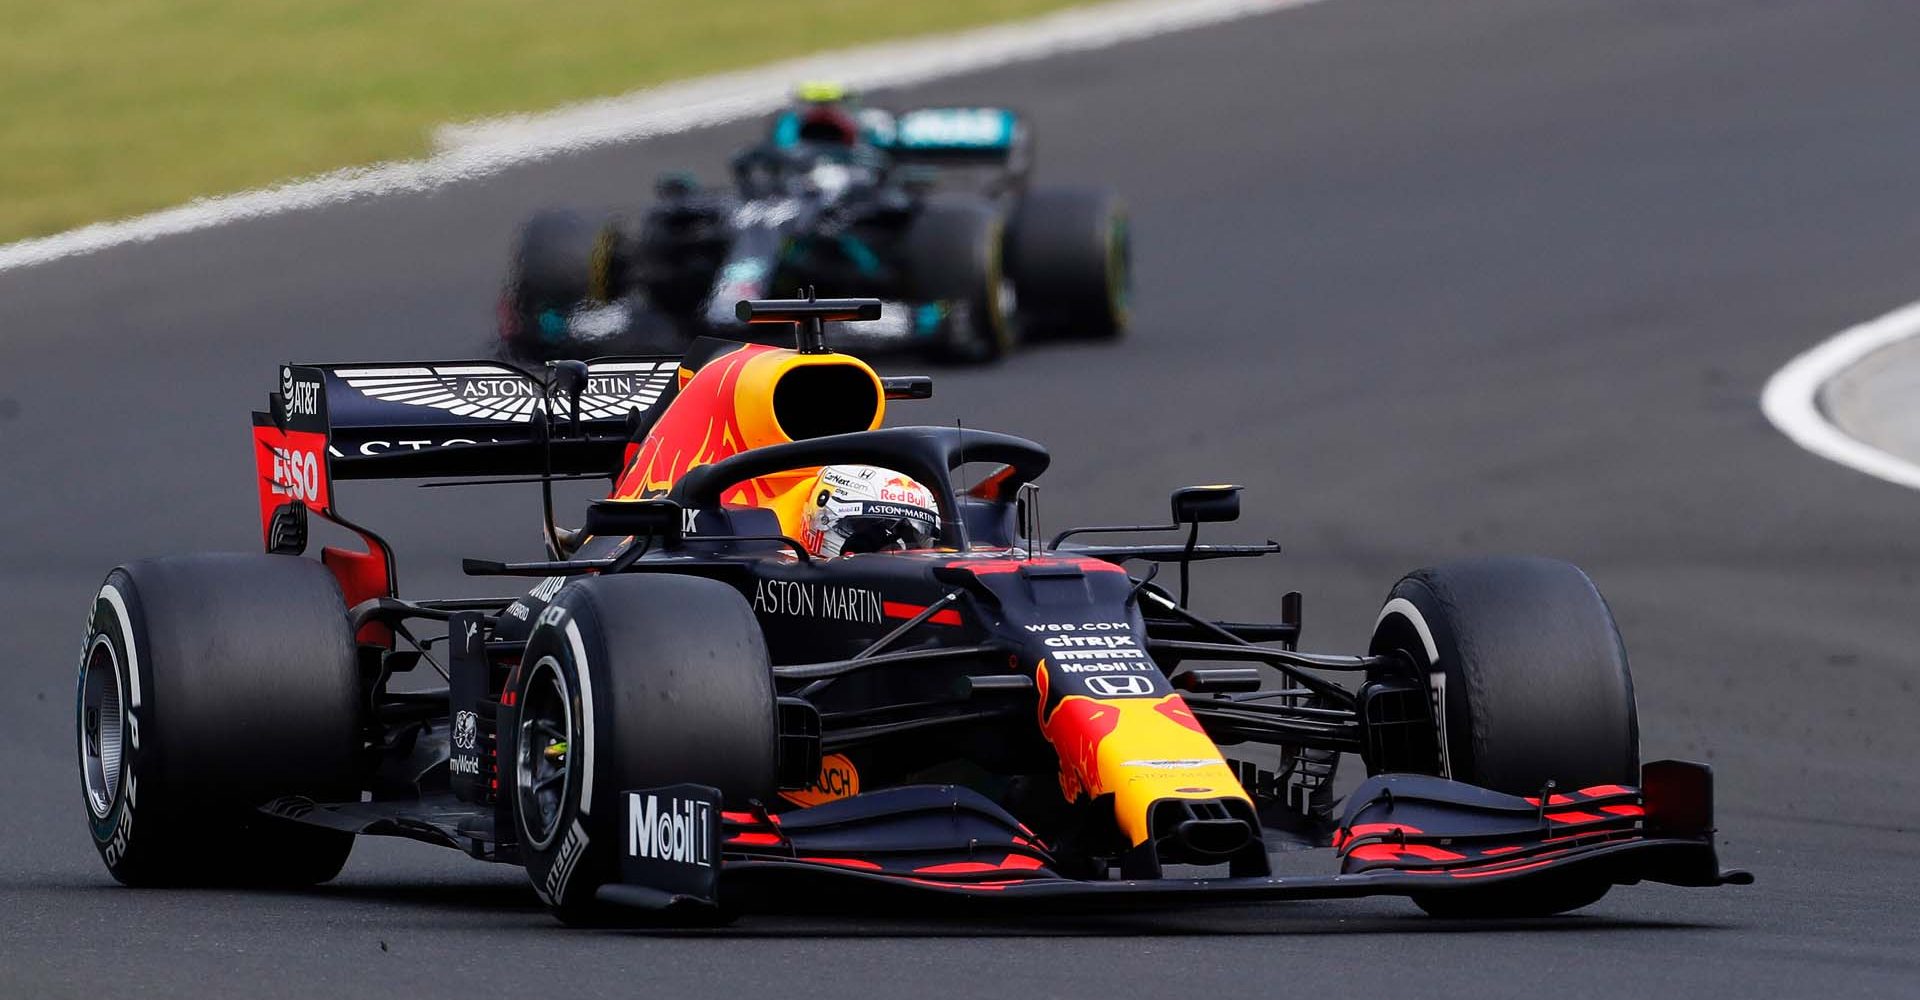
<point x="1411" y="624"/>
<point x="1117" y="233"/>
<point x="989" y="327"/>
<point x="116" y="622"/>
<point x="566" y="871"/>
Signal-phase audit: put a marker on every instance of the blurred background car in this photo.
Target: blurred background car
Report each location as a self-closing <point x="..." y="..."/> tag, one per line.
<point x="929" y="208"/>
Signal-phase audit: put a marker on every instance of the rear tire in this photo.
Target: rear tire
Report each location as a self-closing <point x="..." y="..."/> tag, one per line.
<point x="653" y="680"/>
<point x="210" y="685"/>
<point x="559" y="262"/>
<point x="1530" y="682"/>
<point x="1070" y="257"/>
<point x="953" y="256"/>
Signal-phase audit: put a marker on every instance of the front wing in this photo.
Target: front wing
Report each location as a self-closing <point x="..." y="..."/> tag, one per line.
<point x="1402" y="835"/>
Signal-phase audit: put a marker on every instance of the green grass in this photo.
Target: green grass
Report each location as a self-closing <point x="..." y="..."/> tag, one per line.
<point x="111" y="108"/>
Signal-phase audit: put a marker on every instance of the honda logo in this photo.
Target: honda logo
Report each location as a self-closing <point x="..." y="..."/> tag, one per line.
<point x="1121" y="686"/>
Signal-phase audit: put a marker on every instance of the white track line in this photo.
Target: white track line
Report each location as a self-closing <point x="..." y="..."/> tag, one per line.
<point x="478" y="149"/>
<point x="1792" y="396"/>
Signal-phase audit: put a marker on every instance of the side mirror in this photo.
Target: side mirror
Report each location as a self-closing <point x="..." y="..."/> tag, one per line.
<point x="660" y="518"/>
<point x="1197" y="504"/>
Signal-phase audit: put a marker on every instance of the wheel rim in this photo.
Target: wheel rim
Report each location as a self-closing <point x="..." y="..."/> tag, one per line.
<point x="543" y="765"/>
<point x="102" y="725"/>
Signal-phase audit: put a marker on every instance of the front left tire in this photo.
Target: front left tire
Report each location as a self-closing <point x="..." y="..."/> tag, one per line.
<point x="1529" y="684"/>
<point x="631" y="682"/>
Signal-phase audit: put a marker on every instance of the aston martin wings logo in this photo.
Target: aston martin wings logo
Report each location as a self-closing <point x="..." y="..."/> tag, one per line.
<point x="495" y="392"/>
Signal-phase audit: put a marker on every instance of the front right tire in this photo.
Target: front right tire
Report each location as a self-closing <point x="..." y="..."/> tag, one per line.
<point x="1529" y="684"/>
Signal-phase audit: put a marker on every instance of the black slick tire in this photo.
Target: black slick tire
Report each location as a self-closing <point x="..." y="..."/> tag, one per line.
<point x="559" y="261"/>
<point x="210" y="685"/>
<point x="953" y="252"/>
<point x="1529" y="679"/>
<point x="631" y="682"/>
<point x="1070" y="258"/>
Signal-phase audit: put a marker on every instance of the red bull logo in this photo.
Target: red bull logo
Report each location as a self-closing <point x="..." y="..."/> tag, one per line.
<point x="1076" y="728"/>
<point x="1139" y="750"/>
<point x="900" y="489"/>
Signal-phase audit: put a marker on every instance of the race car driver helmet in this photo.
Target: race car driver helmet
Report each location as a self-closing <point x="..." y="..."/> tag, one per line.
<point x="826" y="115"/>
<point x="863" y="508"/>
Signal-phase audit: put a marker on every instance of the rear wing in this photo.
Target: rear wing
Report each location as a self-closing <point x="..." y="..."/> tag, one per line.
<point x="327" y="423"/>
<point x="985" y="137"/>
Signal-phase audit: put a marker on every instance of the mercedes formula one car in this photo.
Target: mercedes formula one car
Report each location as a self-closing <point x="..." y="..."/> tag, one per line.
<point x="691" y="711"/>
<point x="838" y="197"/>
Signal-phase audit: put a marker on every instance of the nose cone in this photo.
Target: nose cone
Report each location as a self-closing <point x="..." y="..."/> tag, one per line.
<point x="1144" y="752"/>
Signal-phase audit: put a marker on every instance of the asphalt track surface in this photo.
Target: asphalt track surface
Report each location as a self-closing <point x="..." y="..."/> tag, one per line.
<point x="1431" y="279"/>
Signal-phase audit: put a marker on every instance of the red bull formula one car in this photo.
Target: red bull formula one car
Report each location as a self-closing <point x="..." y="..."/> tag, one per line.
<point x="691" y="709"/>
